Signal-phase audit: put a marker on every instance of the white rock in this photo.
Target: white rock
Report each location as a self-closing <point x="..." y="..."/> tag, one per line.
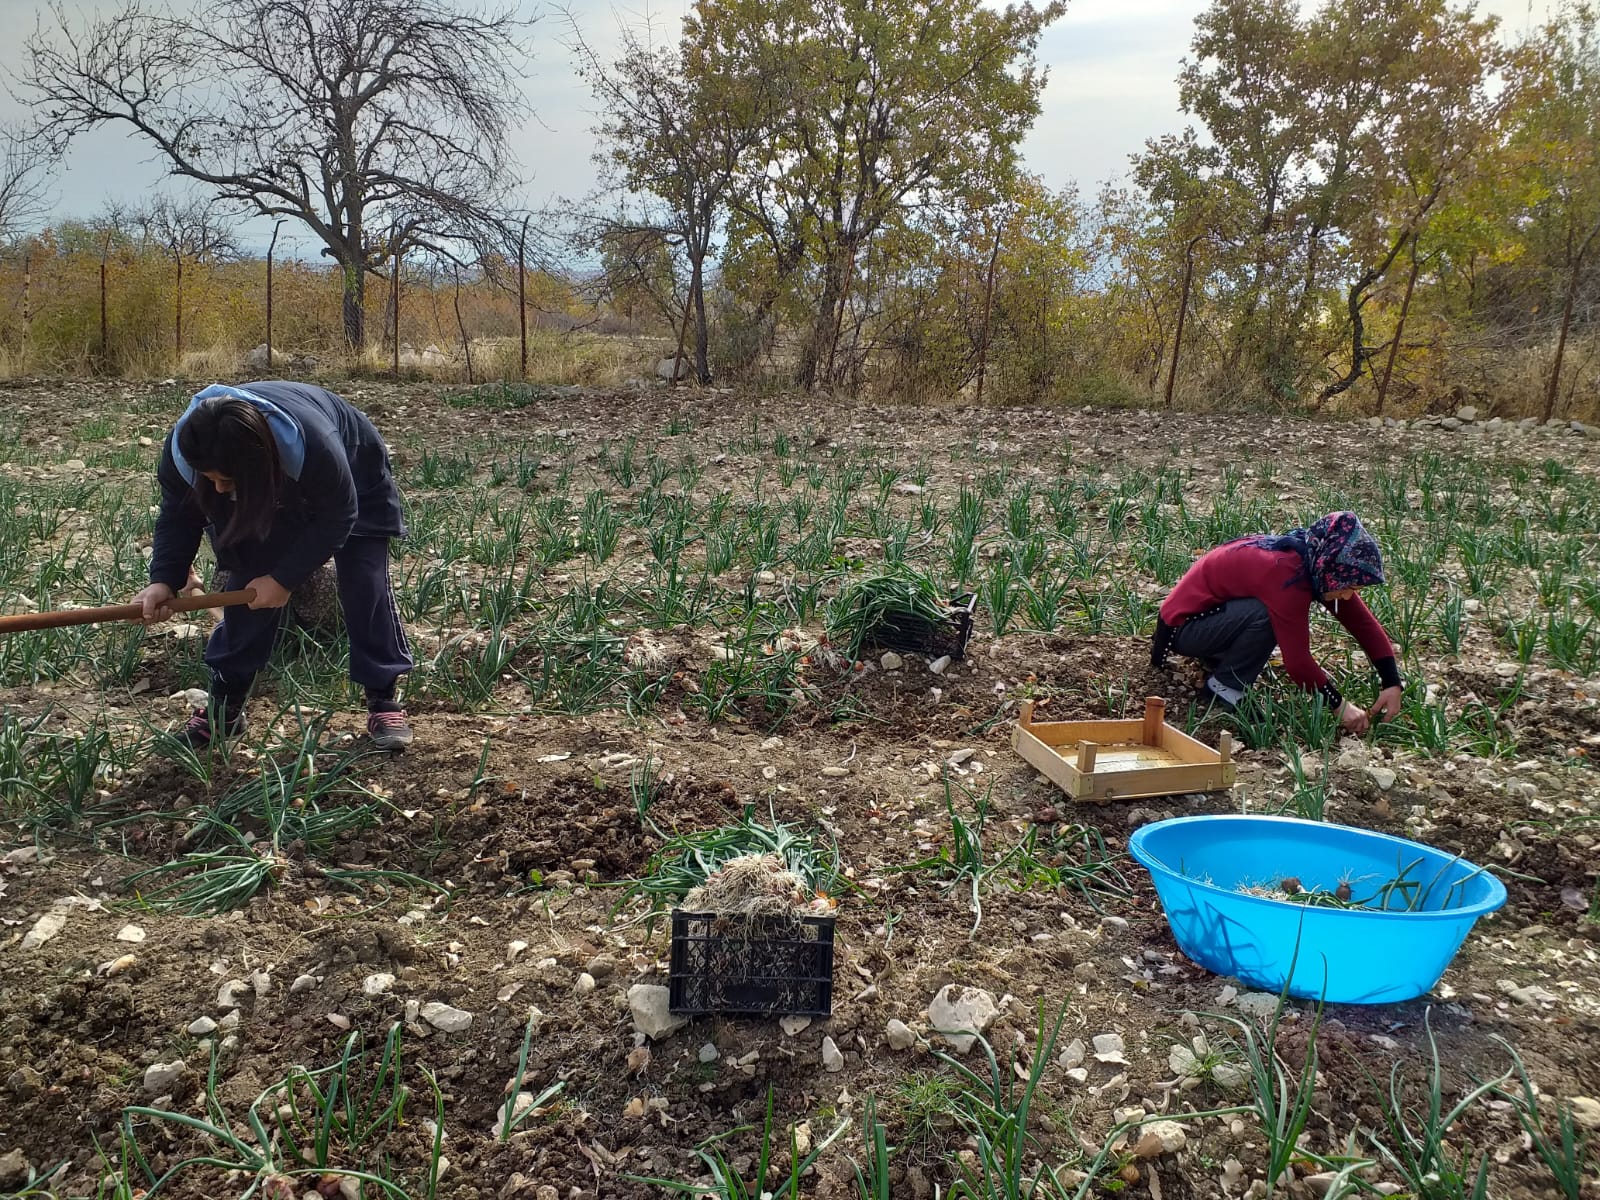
<point x="1108" y="1048"/>
<point x="832" y="1059"/>
<point x="651" y="1017"/>
<point x="159" y="1078"/>
<point x="794" y="1023"/>
<point x="960" y="1013"/>
<point x="202" y="1026"/>
<point x="1072" y="1055"/>
<point x="891" y="661"/>
<point x="1586" y="1111"/>
<point x="1260" y="1005"/>
<point x="585" y="983"/>
<point x="1466" y="413"/>
<point x="302" y="983"/>
<point x="228" y="994"/>
<point x="1382" y="776"/>
<point x="709" y="1053"/>
<point x="377" y="985"/>
<point x="513" y="949"/>
<point x="938" y="665"/>
<point x="900" y="1035"/>
<point x="45" y="928"/>
<point x="130" y="933"/>
<point x="1160" y="1137"/>
<point x="445" y="1018"/>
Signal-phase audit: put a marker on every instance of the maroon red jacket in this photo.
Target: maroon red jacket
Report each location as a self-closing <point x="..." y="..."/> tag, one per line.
<point x="1235" y="572"/>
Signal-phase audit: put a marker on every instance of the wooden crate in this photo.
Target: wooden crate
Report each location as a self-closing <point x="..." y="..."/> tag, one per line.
<point x="1099" y="761"/>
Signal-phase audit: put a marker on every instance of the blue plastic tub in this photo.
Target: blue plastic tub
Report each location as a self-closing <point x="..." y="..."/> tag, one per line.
<point x="1364" y="955"/>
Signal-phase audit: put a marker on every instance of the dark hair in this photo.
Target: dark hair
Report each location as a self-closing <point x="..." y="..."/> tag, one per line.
<point x="232" y="437"/>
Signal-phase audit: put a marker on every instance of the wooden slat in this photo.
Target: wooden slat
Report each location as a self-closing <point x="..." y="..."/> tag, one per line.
<point x="1069" y="733"/>
<point x="1155" y="720"/>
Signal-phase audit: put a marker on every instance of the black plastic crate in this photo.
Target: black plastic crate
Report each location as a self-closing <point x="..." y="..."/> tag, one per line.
<point x="754" y="965"/>
<point x="914" y="635"/>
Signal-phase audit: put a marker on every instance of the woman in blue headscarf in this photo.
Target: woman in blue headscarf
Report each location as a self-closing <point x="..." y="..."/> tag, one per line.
<point x="282" y="477"/>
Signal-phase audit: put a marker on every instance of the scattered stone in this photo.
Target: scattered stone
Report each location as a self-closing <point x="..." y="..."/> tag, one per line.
<point x="709" y="1053"/>
<point x="648" y="1002"/>
<point x="794" y="1023"/>
<point x="119" y="965"/>
<point x="302" y="983"/>
<point x="202" y="1026"/>
<point x="1108" y="1048"/>
<point x="1382" y="776"/>
<point x="1534" y="994"/>
<point x="159" y="1078"/>
<point x="1160" y="1137"/>
<point x="228" y="994"/>
<point x="25" y="1082"/>
<point x="1072" y="1055"/>
<point x="1585" y="1111"/>
<point x="45" y="928"/>
<point x="834" y="772"/>
<point x="832" y="1059"/>
<point x="600" y="967"/>
<point x="377" y="985"/>
<point x="229" y="1020"/>
<point x="445" y="1018"/>
<point x="260" y="983"/>
<point x="959" y="1014"/>
<point x="1466" y="413"/>
<point x="1451" y="423"/>
<point x="900" y="1035"/>
<point x="513" y="949"/>
<point x="130" y="933"/>
<point x="14" y="1171"/>
<point x="585" y="984"/>
<point x="1260" y="1005"/>
<point x="891" y="661"/>
<point x="938" y="665"/>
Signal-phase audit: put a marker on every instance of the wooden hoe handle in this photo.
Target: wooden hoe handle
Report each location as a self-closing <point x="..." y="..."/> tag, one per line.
<point x="18" y="622"/>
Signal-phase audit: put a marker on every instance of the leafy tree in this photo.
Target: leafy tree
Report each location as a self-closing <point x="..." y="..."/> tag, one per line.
<point x="884" y="108"/>
<point x="378" y="124"/>
<point x="679" y="143"/>
<point x="1558" y="132"/>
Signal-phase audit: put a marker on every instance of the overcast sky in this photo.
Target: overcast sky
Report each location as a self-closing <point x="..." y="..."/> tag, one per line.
<point x="1113" y="66"/>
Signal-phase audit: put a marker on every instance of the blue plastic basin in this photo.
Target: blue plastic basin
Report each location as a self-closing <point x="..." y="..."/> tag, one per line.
<point x="1348" y="955"/>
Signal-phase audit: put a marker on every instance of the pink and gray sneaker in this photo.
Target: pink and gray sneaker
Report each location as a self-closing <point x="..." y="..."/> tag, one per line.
<point x="207" y="725"/>
<point x="389" y="730"/>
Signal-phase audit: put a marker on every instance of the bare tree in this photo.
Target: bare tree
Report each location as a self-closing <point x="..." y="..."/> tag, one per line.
<point x="377" y="124"/>
<point x="679" y="142"/>
<point x="189" y="231"/>
<point x="23" y="169"/>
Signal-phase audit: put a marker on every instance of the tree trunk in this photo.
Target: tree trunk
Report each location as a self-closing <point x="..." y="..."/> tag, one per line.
<point x="1183" y="310"/>
<point x="355" y="315"/>
<point x="105" y="323"/>
<point x="1553" y="388"/>
<point x="177" y="312"/>
<point x="394" y="306"/>
<point x="466" y="345"/>
<point x="1359" y="354"/>
<point x="817" y="345"/>
<point x="697" y="297"/>
<point x="271" y="246"/>
<point x="1399" y="328"/>
<point x="522" y="299"/>
<point x="27" y="301"/>
<point x="988" y="312"/>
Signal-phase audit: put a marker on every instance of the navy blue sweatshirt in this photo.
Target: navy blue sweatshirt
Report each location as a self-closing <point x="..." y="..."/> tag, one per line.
<point x="337" y="485"/>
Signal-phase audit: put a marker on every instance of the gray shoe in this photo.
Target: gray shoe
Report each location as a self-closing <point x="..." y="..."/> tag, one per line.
<point x="389" y="730"/>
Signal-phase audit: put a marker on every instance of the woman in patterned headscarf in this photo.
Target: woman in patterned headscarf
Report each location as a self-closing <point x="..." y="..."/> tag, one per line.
<point x="1241" y="599"/>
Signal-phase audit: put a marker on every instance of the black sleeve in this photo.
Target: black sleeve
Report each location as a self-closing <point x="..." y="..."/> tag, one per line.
<point x="179" y="525"/>
<point x="326" y="483"/>
<point x="1161" y="644"/>
<point x="1388" y="672"/>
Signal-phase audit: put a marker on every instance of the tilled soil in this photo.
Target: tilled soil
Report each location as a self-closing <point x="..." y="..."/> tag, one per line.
<point x="534" y="842"/>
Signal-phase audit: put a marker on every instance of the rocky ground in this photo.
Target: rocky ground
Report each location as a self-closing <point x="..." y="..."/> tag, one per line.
<point x="523" y="823"/>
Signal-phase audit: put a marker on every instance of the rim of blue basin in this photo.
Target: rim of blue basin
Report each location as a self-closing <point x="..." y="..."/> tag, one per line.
<point x="1490" y="903"/>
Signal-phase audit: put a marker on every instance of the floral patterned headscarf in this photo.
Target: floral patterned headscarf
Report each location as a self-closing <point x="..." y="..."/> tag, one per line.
<point x="1336" y="552"/>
